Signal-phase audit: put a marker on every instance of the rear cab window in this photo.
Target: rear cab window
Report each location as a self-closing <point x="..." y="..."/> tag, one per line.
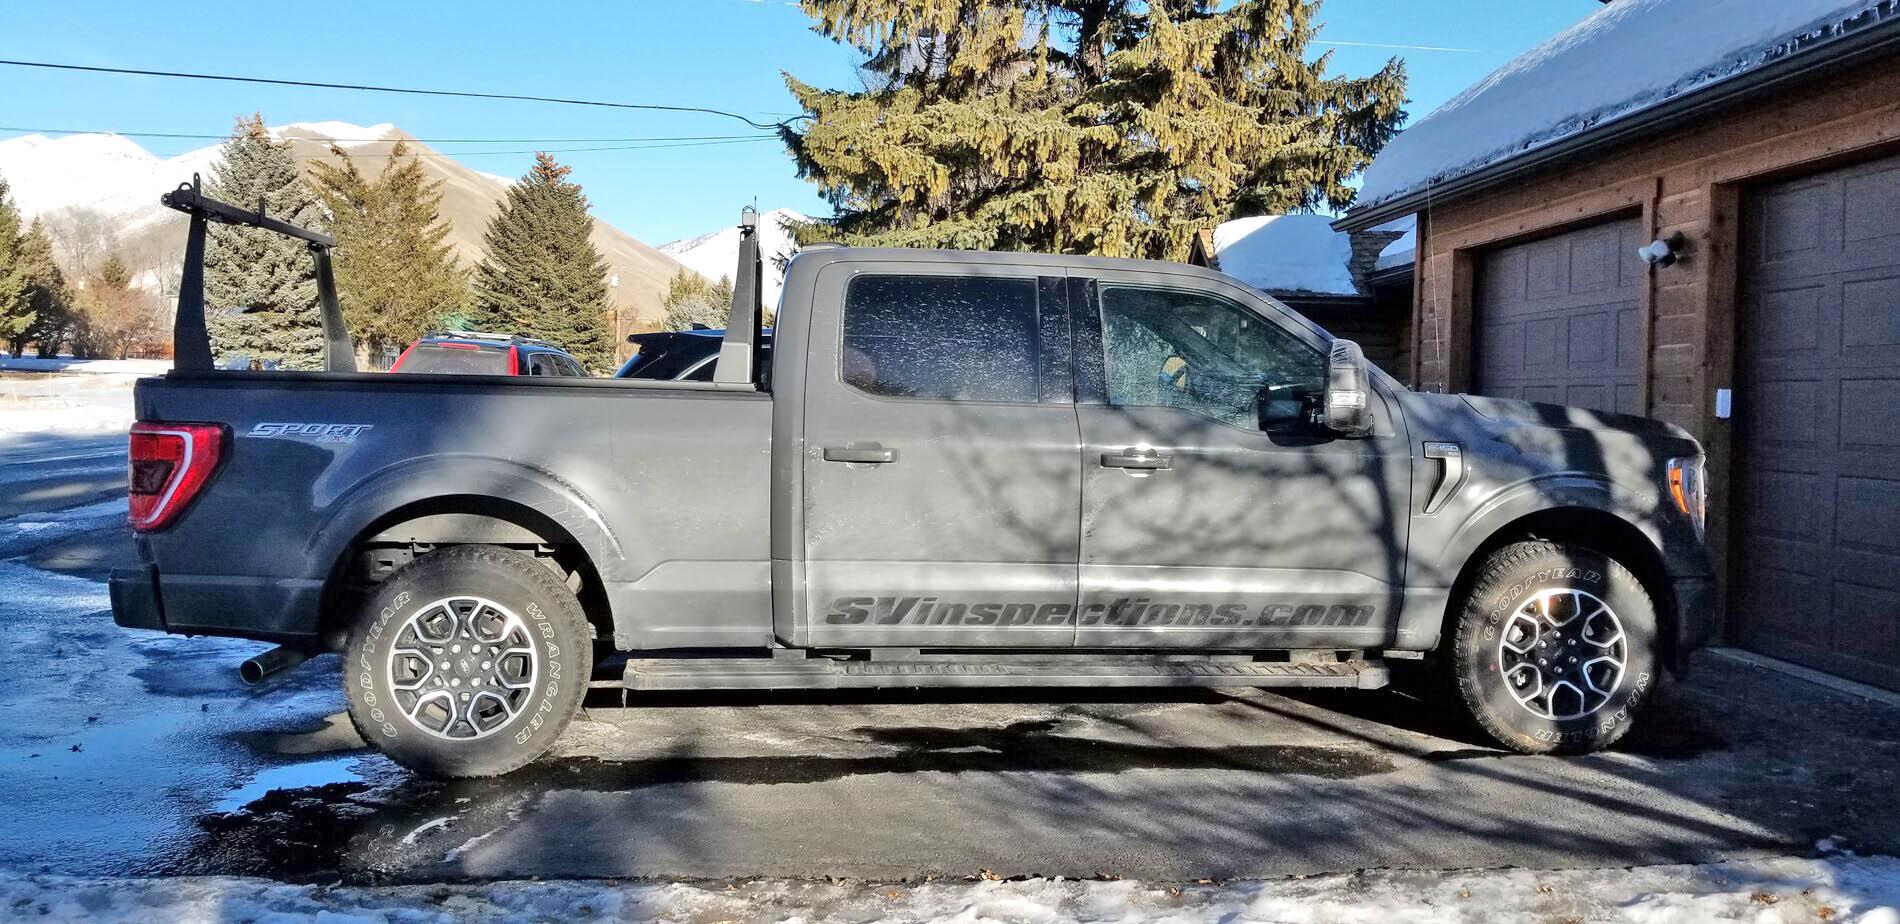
<point x="943" y="338"/>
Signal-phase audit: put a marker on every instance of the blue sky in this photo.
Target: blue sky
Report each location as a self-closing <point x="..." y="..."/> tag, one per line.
<point x="725" y="54"/>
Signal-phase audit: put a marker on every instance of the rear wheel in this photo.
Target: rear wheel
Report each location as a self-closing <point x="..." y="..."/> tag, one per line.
<point x="1554" y="648"/>
<point x="467" y="662"/>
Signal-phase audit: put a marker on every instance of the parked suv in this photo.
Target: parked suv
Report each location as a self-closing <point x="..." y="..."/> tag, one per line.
<point x="678" y="355"/>
<point x="474" y="353"/>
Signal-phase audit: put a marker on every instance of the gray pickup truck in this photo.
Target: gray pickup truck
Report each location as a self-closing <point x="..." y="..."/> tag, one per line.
<point x="957" y="470"/>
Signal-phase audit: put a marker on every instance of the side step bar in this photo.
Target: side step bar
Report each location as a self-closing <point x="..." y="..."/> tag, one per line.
<point x="819" y="673"/>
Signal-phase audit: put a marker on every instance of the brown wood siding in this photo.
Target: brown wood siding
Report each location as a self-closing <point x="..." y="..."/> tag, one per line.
<point x="1692" y="181"/>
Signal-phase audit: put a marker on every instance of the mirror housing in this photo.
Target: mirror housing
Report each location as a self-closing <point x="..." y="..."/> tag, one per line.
<point x="1347" y="406"/>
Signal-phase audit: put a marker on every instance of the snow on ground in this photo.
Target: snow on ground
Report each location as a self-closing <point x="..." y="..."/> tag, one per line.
<point x="1286" y="253"/>
<point x="69" y="364"/>
<point x="23" y="533"/>
<point x="117" y="740"/>
<point x="63" y="402"/>
<point x="1626" y="57"/>
<point x="1843" y="889"/>
<point x="717" y="254"/>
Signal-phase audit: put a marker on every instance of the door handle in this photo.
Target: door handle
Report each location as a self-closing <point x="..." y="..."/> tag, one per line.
<point x="1452" y="459"/>
<point x="865" y="453"/>
<point x="1137" y="458"/>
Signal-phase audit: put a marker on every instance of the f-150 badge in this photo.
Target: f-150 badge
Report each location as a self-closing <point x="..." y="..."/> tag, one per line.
<point x="315" y="432"/>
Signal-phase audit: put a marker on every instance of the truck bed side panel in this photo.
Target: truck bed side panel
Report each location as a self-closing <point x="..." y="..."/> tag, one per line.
<point x="665" y="489"/>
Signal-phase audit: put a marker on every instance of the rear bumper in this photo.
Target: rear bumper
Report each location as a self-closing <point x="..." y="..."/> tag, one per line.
<point x="135" y="598"/>
<point x="280" y="610"/>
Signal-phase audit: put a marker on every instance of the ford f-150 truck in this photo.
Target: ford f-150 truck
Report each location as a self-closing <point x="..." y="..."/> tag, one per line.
<point x="957" y="470"/>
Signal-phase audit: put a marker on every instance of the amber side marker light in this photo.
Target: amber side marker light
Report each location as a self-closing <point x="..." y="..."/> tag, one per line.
<point x="170" y="464"/>
<point x="1688" y="490"/>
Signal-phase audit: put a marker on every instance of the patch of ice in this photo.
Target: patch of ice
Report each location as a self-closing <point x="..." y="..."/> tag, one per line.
<point x="1622" y="59"/>
<point x="289" y="776"/>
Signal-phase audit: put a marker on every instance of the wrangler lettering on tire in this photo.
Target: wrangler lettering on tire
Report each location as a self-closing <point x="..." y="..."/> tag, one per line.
<point x="467" y="662"/>
<point x="1553" y="649"/>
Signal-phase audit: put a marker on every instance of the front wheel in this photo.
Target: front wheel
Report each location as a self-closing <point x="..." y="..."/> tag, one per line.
<point x="467" y="662"/>
<point x="1553" y="649"/>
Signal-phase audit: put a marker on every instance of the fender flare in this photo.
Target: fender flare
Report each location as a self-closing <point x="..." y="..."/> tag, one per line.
<point x="1566" y="490"/>
<point x="418" y="480"/>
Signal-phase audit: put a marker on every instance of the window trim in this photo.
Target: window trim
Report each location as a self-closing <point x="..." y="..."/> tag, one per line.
<point x="1044" y="344"/>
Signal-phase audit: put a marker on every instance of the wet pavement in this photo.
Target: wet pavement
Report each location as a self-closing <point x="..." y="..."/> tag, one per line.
<point x="137" y="753"/>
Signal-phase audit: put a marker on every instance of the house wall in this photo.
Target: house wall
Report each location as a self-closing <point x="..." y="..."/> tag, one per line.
<point x="1690" y="180"/>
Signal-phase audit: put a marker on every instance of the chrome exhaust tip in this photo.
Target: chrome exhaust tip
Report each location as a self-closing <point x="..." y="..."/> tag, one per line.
<point x="254" y="670"/>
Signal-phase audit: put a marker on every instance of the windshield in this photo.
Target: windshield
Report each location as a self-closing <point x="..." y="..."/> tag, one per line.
<point x="454" y="360"/>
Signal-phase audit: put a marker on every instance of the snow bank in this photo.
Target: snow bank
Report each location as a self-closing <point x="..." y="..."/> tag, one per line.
<point x="1626" y="57"/>
<point x="90" y="366"/>
<point x="1846" y="889"/>
<point x="717" y="254"/>
<point x="1286" y="253"/>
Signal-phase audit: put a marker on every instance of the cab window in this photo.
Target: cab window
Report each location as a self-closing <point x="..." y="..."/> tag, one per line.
<point x="1205" y="354"/>
<point x="945" y="338"/>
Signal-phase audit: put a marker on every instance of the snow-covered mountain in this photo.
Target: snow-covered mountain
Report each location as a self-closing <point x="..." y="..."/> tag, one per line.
<point x="116" y="182"/>
<point x="716" y="254"/>
<point x="106" y="173"/>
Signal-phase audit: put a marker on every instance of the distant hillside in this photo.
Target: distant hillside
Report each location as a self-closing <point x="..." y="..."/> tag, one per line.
<point x="83" y="178"/>
<point x="716" y="254"/>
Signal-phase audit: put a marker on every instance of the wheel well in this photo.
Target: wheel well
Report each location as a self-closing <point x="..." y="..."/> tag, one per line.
<point x="397" y="537"/>
<point x="1596" y="529"/>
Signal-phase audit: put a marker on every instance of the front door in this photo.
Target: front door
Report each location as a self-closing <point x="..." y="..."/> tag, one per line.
<point x="1215" y="513"/>
<point x="941" y="491"/>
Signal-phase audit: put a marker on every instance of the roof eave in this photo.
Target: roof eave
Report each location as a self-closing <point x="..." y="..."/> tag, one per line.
<point x="1841" y="52"/>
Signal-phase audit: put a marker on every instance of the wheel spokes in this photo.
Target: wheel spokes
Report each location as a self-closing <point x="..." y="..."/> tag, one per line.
<point x="462" y="667"/>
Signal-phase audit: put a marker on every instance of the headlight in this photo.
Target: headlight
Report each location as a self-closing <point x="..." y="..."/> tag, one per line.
<point x="1689" y="489"/>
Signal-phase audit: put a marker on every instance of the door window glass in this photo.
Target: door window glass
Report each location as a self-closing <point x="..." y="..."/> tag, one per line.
<point x="947" y="338"/>
<point x="1208" y="355"/>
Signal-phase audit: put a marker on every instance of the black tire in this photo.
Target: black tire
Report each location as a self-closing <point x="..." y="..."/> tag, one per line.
<point x="1567" y="641"/>
<point x="501" y="604"/>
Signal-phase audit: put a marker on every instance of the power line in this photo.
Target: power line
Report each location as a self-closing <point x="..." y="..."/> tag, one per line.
<point x="464" y="94"/>
<point x="362" y="141"/>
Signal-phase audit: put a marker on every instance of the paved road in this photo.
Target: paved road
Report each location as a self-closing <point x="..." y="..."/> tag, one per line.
<point x="191" y="773"/>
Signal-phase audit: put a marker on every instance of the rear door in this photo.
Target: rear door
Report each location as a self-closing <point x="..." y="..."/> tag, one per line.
<point x="1215" y="514"/>
<point x="941" y="490"/>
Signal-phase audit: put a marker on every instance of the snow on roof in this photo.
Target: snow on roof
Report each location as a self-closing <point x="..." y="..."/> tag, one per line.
<point x="1626" y="57"/>
<point x="1286" y="253"/>
<point x="1401" y="252"/>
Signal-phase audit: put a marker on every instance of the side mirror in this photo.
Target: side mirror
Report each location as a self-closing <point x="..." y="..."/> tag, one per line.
<point x="1348" y="402"/>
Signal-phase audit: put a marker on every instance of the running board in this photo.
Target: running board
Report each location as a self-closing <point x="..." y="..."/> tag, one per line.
<point x="819" y="673"/>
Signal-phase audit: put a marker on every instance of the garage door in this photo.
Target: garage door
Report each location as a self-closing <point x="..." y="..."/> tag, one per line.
<point x="1817" y="499"/>
<point x="1558" y="319"/>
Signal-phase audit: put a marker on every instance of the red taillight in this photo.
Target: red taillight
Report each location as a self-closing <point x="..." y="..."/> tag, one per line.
<point x="170" y="463"/>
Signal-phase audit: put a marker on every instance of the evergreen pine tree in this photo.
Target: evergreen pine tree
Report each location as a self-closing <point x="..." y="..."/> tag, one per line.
<point x="16" y="306"/>
<point x="540" y="274"/>
<point x="48" y="298"/>
<point x="1082" y="126"/>
<point x="260" y="290"/>
<point x="33" y="292"/>
<point x="692" y="299"/>
<point x="396" y="275"/>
